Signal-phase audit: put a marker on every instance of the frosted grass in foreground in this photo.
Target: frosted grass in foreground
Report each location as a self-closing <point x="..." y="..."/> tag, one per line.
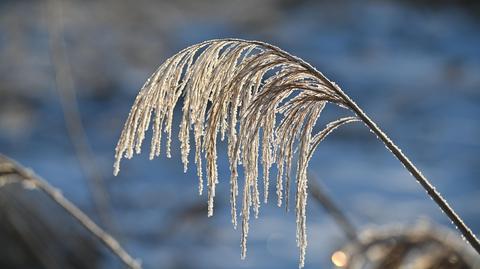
<point x="236" y="89"/>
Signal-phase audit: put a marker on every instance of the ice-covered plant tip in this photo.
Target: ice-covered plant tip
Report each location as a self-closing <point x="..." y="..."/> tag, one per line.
<point x="266" y="103"/>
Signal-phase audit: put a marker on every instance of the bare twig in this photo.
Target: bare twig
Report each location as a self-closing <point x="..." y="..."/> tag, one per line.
<point x="9" y="168"/>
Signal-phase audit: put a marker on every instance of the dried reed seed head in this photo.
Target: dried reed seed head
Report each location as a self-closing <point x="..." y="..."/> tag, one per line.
<point x="237" y="88"/>
<point x="421" y="245"/>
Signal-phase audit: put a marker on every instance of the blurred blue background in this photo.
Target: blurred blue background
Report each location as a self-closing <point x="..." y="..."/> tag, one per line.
<point x="414" y="67"/>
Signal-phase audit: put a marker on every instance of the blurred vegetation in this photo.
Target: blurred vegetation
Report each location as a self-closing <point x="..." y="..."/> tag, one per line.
<point x="412" y="63"/>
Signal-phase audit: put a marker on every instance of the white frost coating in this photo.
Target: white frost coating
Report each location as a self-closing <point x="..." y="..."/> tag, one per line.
<point x="237" y="88"/>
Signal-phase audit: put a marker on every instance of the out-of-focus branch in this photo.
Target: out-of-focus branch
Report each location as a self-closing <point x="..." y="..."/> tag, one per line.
<point x="11" y="171"/>
<point x="329" y="205"/>
<point x="66" y="91"/>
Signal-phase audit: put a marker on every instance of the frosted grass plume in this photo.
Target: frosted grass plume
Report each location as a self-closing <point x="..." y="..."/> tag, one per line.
<point x="265" y="102"/>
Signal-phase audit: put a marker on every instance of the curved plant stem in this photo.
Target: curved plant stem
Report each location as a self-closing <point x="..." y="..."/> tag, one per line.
<point x="431" y="191"/>
<point x="29" y="178"/>
<point x="429" y="188"/>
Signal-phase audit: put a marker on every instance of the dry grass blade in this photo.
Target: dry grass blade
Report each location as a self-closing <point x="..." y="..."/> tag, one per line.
<point x="236" y="89"/>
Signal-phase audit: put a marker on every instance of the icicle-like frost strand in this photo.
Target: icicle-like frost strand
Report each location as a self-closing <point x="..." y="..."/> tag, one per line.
<point x="262" y="99"/>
